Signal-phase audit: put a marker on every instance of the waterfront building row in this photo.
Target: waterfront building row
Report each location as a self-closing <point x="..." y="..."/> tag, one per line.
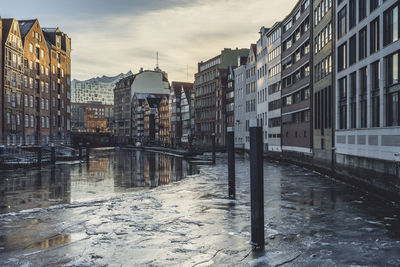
<point x="35" y="66"/>
<point x="323" y="83"/>
<point x="148" y="109"/>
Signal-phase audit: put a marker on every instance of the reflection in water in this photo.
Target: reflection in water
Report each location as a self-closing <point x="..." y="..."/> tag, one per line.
<point x="51" y="242"/>
<point x="108" y="174"/>
<point x="27" y="189"/>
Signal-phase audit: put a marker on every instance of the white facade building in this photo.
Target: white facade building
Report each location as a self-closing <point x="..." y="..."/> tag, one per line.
<point x="240" y="86"/>
<point x="262" y="84"/>
<point x="274" y="87"/>
<point x="367" y="82"/>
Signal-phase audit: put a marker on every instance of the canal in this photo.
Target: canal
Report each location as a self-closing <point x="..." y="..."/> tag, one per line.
<point x="140" y="208"/>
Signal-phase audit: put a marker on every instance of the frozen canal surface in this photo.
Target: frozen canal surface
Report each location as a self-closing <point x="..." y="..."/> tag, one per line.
<point x="145" y="209"/>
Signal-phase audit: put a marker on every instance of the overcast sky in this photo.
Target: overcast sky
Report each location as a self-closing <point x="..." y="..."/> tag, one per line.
<point x="114" y="36"/>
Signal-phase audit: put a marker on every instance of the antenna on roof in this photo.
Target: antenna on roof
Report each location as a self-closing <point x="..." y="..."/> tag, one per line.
<point x="157" y="59"/>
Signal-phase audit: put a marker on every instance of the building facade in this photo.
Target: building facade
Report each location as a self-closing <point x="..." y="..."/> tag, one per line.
<point x="210" y="89"/>
<point x="240" y="87"/>
<point x="36" y="88"/>
<point x="163" y="111"/>
<point x="296" y="80"/>
<point x="175" y="107"/>
<point x="12" y="90"/>
<point x="367" y="84"/>
<point x="273" y="93"/>
<point x="122" y="107"/>
<point x="323" y="80"/>
<point x="186" y="108"/>
<point x="262" y="84"/>
<point x="59" y="47"/>
<point x="250" y="93"/>
<point x="146" y="84"/>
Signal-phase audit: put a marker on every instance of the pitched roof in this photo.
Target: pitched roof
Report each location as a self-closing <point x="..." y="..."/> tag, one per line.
<point x="253" y="47"/>
<point x="6" y="28"/>
<point x="177" y="86"/>
<point x="25" y="26"/>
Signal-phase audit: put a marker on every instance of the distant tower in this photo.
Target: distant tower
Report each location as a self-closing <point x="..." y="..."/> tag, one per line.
<point x="157" y="66"/>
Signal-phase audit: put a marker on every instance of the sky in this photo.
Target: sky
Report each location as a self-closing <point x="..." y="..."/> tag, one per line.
<point x="114" y="36"/>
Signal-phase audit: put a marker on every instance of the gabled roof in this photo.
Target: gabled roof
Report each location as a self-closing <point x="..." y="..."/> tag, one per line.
<point x="25" y="26"/>
<point x="6" y="28"/>
<point x="253" y="48"/>
<point x="177" y="86"/>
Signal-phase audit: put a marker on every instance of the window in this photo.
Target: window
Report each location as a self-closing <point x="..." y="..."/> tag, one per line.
<point x="362" y="9"/>
<point x="352" y="13"/>
<point x="26" y="120"/>
<point x="353" y="50"/>
<point x="391" y="25"/>
<point x="375" y="110"/>
<point x="343" y="103"/>
<point x="342" y="23"/>
<point x="393" y="111"/>
<point x="363" y="97"/>
<point x="392" y="69"/>
<point x="342" y="57"/>
<point x="375" y="75"/>
<point x="353" y="100"/>
<point x="373" y="4"/>
<point x="374" y="36"/>
<point x="362" y="43"/>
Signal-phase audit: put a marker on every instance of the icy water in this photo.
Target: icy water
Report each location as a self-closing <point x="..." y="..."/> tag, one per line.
<point x="133" y="209"/>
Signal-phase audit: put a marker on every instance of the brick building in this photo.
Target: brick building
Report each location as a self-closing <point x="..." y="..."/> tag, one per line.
<point x="36" y="92"/>
<point x="59" y="47"/>
<point x="210" y="88"/>
<point x="122" y="107"/>
<point x="12" y="109"/>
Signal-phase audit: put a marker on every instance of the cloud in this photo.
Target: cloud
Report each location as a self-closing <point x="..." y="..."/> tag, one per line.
<point x="110" y="37"/>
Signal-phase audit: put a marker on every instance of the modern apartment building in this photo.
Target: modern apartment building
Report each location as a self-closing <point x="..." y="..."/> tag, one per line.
<point x="210" y="89"/>
<point x="262" y="84"/>
<point x="59" y="47"/>
<point x="367" y="84"/>
<point x="323" y="80"/>
<point x="296" y="80"/>
<point x="273" y="94"/>
<point x="36" y="87"/>
<point x="240" y="87"/>
<point x="12" y="109"/>
<point x="99" y="89"/>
